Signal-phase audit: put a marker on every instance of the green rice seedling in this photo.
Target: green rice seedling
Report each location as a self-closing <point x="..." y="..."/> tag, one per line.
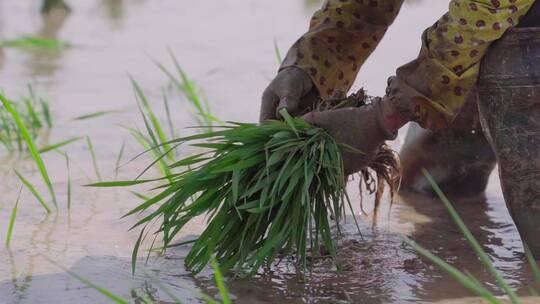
<point x="12" y="219"/>
<point x="153" y="126"/>
<point x="35" y="43"/>
<point x="187" y="86"/>
<point x="94" y="159"/>
<point x="94" y="115"/>
<point x="68" y="190"/>
<point x="114" y="298"/>
<point x="268" y="190"/>
<point x="278" y="52"/>
<point x="59" y="145"/>
<point x="119" y="159"/>
<point x="472" y="240"/>
<point x="220" y="283"/>
<point x="33" y="190"/>
<point x="30" y="144"/>
<point x="147" y="145"/>
<point x="169" y="118"/>
<point x="154" y="139"/>
<point x="466" y="279"/>
<point x="33" y="113"/>
<point x="532" y="263"/>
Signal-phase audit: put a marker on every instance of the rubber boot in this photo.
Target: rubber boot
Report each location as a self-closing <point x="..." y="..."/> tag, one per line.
<point x="459" y="157"/>
<point x="509" y="104"/>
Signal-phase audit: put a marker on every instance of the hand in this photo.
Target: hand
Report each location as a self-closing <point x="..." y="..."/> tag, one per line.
<point x="363" y="129"/>
<point x="291" y="89"/>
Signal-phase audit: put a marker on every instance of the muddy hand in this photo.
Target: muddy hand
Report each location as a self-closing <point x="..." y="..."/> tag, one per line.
<point x="291" y="89"/>
<point x="364" y="129"/>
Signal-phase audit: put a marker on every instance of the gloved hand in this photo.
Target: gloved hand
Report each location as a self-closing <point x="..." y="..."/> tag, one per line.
<point x="365" y="129"/>
<point x="291" y="89"/>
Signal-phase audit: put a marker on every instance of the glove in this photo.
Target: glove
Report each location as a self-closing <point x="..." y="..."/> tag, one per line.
<point x="364" y="129"/>
<point x="293" y="90"/>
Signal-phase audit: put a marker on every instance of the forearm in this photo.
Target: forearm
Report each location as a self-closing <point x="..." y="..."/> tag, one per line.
<point x="341" y="37"/>
<point x="439" y="81"/>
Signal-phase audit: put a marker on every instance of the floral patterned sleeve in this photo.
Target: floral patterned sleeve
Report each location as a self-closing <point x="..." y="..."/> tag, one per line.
<point x="436" y="84"/>
<point x="432" y="88"/>
<point x="341" y="37"/>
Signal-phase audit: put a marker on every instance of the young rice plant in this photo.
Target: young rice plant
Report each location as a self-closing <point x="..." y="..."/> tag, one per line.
<point x="268" y="190"/>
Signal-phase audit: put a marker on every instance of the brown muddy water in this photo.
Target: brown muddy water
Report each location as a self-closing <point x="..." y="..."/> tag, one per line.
<point x="227" y="47"/>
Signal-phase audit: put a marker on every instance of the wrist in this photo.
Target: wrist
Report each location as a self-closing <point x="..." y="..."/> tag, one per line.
<point x="392" y="118"/>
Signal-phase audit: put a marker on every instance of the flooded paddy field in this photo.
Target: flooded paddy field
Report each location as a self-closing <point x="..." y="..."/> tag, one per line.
<point x="227" y="48"/>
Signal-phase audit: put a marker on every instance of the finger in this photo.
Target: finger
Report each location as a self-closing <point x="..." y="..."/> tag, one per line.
<point x="268" y="105"/>
<point x="310" y="117"/>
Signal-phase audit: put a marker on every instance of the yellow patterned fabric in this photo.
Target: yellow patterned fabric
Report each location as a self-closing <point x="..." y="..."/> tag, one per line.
<point x="344" y="33"/>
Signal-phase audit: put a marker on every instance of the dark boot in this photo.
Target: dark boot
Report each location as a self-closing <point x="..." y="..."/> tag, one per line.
<point x="459" y="158"/>
<point x="509" y="91"/>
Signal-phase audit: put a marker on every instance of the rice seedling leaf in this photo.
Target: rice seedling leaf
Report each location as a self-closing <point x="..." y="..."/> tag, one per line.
<point x="119" y="159"/>
<point x="168" y="113"/>
<point x="68" y="191"/>
<point x="463" y="279"/>
<point x="278" y="52"/>
<point x="94" y="115"/>
<point x="34" y="42"/>
<point x="153" y="119"/>
<point x="126" y="183"/>
<point x="220" y="283"/>
<point x="108" y="294"/>
<point x="472" y="240"/>
<point x="94" y="159"/>
<point x="33" y="191"/>
<point x="532" y="262"/>
<point x="12" y="219"/>
<point x="31" y="146"/>
<point x="136" y="251"/>
<point x="59" y="145"/>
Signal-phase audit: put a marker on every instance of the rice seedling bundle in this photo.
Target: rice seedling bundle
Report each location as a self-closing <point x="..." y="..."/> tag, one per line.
<point x="267" y="190"/>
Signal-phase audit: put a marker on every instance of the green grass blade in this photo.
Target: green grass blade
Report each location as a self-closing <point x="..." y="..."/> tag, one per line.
<point x="58" y="145"/>
<point x="169" y="117"/>
<point x="94" y="115"/>
<point x="455" y="273"/>
<point x="94" y="159"/>
<point x="109" y="294"/>
<point x="121" y="183"/>
<point x="119" y="159"/>
<point x="472" y="240"/>
<point x="33" y="191"/>
<point x="31" y="146"/>
<point x="136" y="252"/>
<point x="220" y="283"/>
<point x="34" y="42"/>
<point x="68" y="181"/>
<point x="12" y="219"/>
<point x="140" y="196"/>
<point x="153" y="119"/>
<point x="278" y="52"/>
<point x="45" y="110"/>
<point x="532" y="263"/>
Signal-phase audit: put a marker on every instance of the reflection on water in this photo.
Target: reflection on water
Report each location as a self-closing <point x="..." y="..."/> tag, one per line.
<point x="234" y="40"/>
<point x="114" y="9"/>
<point x="47" y="6"/>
